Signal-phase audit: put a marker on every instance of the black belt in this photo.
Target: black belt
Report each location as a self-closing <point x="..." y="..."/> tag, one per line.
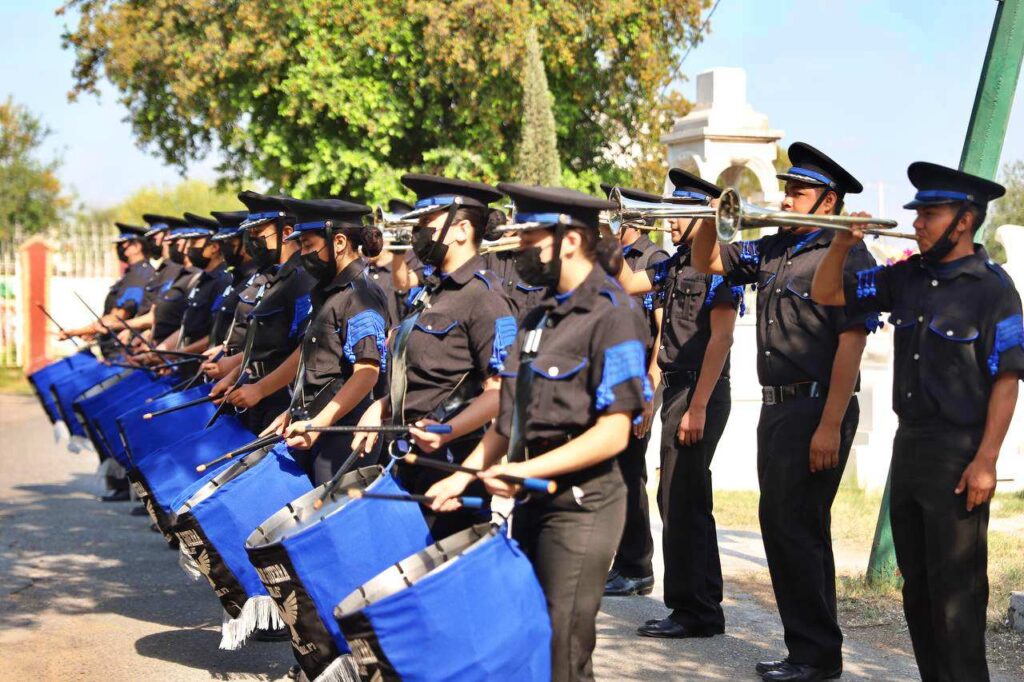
<point x="679" y="377"/>
<point x="773" y="395"/>
<point x="543" y="445"/>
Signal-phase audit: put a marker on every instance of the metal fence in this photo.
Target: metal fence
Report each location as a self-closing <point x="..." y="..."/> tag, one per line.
<point x="81" y="250"/>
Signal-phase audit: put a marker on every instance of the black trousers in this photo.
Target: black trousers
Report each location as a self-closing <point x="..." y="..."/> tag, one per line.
<point x="796" y="525"/>
<point x="571" y="537"/>
<point x="689" y="540"/>
<point x="942" y="551"/>
<point x="635" y="556"/>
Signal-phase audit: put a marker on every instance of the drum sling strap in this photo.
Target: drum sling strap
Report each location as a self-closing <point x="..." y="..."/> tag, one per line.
<point x="250" y="338"/>
<point x="399" y="379"/>
<point x="524" y="382"/>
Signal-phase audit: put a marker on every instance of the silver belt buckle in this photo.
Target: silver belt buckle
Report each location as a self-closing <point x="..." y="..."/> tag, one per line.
<point x="768" y="395"/>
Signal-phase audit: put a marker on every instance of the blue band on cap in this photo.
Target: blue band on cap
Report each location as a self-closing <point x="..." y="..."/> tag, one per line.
<point x="127" y="236"/>
<point x="266" y="215"/>
<point x="942" y="195"/>
<point x="434" y="201"/>
<point x="315" y="225"/>
<point x="686" y="194"/>
<point x="543" y="218"/>
<point x="796" y="170"/>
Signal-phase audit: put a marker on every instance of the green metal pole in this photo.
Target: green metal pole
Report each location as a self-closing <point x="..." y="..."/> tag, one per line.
<point x="982" y="149"/>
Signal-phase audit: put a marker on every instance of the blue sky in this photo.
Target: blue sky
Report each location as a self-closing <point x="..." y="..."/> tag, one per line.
<point x="874" y="83"/>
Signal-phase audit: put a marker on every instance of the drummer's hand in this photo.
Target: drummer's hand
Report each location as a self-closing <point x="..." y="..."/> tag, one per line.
<point x="277" y="426"/>
<point x="220" y="388"/>
<point x="296" y="436"/>
<point x="215" y="370"/>
<point x="246" y="396"/>
<point x="428" y="442"/>
<point x="495" y="486"/>
<point x="446" y="491"/>
<point x="374" y="415"/>
<point x="125" y="337"/>
<point x="212" y="350"/>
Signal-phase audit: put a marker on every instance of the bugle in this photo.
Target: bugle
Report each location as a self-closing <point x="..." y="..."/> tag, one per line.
<point x="733" y="215"/>
<point x="634" y="212"/>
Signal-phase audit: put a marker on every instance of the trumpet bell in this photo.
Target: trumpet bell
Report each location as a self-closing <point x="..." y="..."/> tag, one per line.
<point x="637" y="212"/>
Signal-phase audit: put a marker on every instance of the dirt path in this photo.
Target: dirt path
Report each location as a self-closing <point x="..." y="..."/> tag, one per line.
<point x="87" y="592"/>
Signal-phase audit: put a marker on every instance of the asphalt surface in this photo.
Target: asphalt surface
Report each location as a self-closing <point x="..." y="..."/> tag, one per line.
<point x="87" y="592"/>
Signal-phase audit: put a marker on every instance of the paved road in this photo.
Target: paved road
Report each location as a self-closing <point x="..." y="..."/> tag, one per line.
<point x="88" y="593"/>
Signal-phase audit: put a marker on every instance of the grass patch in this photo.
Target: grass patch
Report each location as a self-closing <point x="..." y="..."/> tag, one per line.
<point x="1007" y="505"/>
<point x="12" y="380"/>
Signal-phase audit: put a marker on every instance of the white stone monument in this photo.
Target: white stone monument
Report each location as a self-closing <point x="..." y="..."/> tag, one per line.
<point x="723" y="135"/>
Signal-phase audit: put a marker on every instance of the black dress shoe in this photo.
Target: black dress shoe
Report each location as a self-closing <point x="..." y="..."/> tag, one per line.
<point x="139" y="510"/>
<point x="116" y="496"/>
<point x="666" y="628"/>
<point x="265" y="635"/>
<point x="798" y="672"/>
<point x="294" y="672"/>
<point x="619" y="585"/>
<point x="765" y="666"/>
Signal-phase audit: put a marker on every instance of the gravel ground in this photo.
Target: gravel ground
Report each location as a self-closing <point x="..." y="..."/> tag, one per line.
<point x="87" y="592"/>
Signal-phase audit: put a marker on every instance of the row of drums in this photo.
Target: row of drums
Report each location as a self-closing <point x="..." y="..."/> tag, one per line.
<point x="364" y="589"/>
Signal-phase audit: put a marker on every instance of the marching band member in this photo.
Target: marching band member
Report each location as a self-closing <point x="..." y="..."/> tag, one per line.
<point x="449" y="350"/>
<point x="276" y="321"/>
<point x="959" y="354"/>
<point x="632" y="571"/>
<point x="693" y="369"/>
<point x="808" y="361"/>
<point x="240" y="267"/>
<point x="345" y="345"/>
<point x="581" y="378"/>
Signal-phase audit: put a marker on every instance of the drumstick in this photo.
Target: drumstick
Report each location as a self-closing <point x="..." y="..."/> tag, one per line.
<point x="537" y="485"/>
<point x="182" y="406"/>
<point x="384" y="428"/>
<point x="62" y="331"/>
<point x="187" y="383"/>
<point x="465" y="501"/>
<point x="332" y="484"/>
<point x="248" y="447"/>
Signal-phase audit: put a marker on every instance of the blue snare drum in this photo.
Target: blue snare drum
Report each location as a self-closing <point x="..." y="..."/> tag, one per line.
<point x="310" y="558"/>
<point x="468" y="608"/>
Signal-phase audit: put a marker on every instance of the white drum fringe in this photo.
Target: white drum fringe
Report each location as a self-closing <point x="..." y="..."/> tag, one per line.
<point x="259" y="612"/>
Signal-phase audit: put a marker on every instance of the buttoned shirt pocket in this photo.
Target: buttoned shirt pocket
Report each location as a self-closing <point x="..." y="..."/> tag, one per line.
<point x="951" y="367"/>
<point x="796" y="305"/>
<point x="319" y="340"/>
<point x="559" y="393"/>
<point x="903" y="318"/>
<point x="436" y="340"/>
<point x="688" y="296"/>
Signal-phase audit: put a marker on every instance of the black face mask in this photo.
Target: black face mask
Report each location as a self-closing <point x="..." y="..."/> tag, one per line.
<point x="536" y="273"/>
<point x="262" y="256"/>
<point x="426" y="249"/>
<point x="121" y="256"/>
<point x="195" y="254"/>
<point x="177" y="255"/>
<point x="232" y="252"/>
<point x="941" y="248"/>
<point x="319" y="269"/>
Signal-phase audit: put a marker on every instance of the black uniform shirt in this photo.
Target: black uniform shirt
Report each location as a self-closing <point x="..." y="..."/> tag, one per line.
<point x="280" y="317"/>
<point x="347" y="326"/>
<point x="171" y="304"/>
<point x="463" y="336"/>
<point x="203" y="299"/>
<point x="590" y="360"/>
<point x="796" y="338"/>
<point x="687" y="297"/>
<point x="162" y="279"/>
<point x="523" y="297"/>
<point x="129" y="291"/>
<point x="641" y="255"/>
<point x="248" y="296"/>
<point x="381" y="276"/>
<point x="957" y="325"/>
<point x="226" y="303"/>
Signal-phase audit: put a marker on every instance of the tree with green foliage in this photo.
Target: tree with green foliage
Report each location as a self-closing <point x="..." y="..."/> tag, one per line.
<point x="1009" y="210"/>
<point x="323" y="97"/>
<point x="31" y="193"/>
<point x="537" y="155"/>
<point x="194" y="196"/>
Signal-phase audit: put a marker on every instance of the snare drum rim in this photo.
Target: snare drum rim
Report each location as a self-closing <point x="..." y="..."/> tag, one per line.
<point x="299" y="515"/>
<point x="224" y="476"/>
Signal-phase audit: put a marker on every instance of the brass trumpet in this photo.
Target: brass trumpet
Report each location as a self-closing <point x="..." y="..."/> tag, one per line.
<point x="499" y="245"/>
<point x="734" y="214"/>
<point x="632" y="211"/>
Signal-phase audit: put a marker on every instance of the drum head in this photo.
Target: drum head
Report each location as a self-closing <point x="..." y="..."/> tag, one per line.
<point x="222" y="476"/>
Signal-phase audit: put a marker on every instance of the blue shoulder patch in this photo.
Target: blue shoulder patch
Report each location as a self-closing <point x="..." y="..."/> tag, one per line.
<point x="134" y="294"/>
<point x="368" y="323"/>
<point x="303" y="307"/>
<point x="622" y="362"/>
<point x="1009" y="334"/>
<point x="505" y="330"/>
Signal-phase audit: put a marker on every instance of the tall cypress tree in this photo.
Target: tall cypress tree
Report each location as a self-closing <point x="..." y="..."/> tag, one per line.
<point x="537" y="153"/>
